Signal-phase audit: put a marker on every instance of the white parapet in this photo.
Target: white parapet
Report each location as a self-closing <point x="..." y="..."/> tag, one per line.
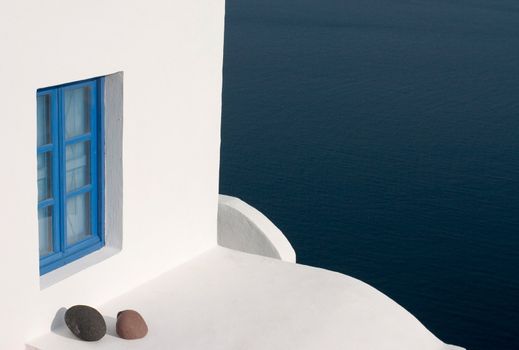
<point x="378" y="322"/>
<point x="244" y="228"/>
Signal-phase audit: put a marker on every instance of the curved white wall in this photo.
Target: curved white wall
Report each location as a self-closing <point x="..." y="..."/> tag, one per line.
<point x="368" y="320"/>
<point x="171" y="54"/>
<point x="242" y="227"/>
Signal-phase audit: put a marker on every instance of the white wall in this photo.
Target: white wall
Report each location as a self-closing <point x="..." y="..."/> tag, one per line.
<point x="244" y="228"/>
<point x="171" y="55"/>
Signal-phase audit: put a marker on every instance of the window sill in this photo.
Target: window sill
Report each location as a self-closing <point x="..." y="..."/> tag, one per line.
<point x="58" y="275"/>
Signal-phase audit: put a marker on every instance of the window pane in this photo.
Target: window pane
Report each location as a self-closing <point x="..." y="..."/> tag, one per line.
<point x="44" y="176"/>
<point x="44" y="129"/>
<point x="77" y="165"/>
<point x="77" y="111"/>
<point x="45" y="229"/>
<point x="78" y="218"/>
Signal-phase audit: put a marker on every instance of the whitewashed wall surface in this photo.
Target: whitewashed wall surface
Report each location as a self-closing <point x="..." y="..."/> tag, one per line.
<point x="171" y="55"/>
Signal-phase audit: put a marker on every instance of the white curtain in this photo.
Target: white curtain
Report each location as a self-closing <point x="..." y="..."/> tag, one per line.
<point x="45" y="230"/>
<point x="78" y="218"/>
<point x="77" y="159"/>
<point x="77" y="105"/>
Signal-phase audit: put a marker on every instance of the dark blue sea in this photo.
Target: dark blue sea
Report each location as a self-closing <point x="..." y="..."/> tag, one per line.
<point x="382" y="137"/>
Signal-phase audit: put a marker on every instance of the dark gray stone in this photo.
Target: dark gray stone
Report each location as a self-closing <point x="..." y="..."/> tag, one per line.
<point x="85" y="322"/>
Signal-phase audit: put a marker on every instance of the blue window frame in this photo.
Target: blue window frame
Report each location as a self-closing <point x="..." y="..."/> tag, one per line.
<point x="70" y="171"/>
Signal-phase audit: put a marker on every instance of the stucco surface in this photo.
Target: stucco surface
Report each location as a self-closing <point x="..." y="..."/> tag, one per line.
<point x="244" y="228"/>
<point x="225" y="299"/>
<point x="171" y="54"/>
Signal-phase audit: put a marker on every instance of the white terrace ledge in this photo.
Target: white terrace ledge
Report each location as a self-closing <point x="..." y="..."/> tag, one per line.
<point x="225" y="299"/>
<point x="244" y="228"/>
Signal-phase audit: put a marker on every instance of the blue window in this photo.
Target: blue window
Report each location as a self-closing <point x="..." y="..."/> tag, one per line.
<point x="70" y="171"/>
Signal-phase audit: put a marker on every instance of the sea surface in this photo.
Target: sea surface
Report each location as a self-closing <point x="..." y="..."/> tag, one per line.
<point x="382" y="137"/>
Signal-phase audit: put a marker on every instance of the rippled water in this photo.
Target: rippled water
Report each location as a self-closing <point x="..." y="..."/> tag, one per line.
<point x="382" y="137"/>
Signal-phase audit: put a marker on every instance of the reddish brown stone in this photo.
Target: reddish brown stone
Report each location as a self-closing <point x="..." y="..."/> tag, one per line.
<point x="131" y="325"/>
